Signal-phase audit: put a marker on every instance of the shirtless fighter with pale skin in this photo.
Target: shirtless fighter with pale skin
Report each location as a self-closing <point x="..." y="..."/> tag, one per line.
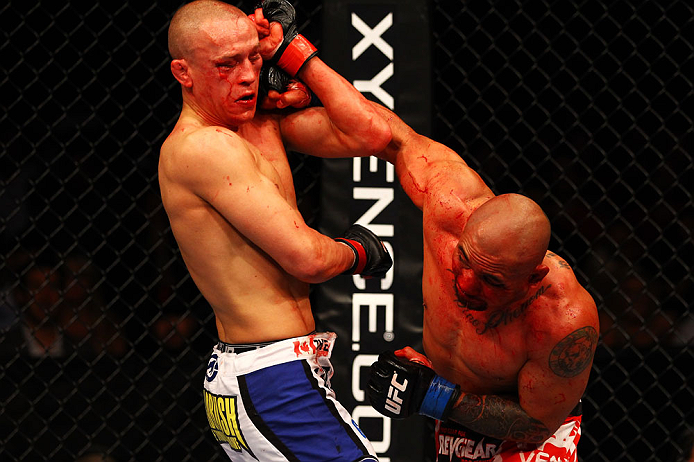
<point x="509" y="333"/>
<point x="227" y="188"/>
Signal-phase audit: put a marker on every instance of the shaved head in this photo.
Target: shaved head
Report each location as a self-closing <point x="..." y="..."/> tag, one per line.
<point x="512" y="227"/>
<point x="189" y="22"/>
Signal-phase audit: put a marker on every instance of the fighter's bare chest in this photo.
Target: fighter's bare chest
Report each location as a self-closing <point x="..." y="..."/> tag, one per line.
<point x="477" y="348"/>
<point x="464" y="350"/>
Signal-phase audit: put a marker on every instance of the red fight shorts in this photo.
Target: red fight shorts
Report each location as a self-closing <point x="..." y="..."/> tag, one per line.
<point x="456" y="443"/>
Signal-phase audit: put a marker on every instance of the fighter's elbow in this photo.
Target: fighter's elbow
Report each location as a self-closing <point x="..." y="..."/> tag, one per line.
<point x="535" y="438"/>
<point x="371" y="140"/>
<point x="380" y="136"/>
<point x="536" y="432"/>
<point x="310" y="274"/>
<point x="309" y="267"/>
<point x="383" y="135"/>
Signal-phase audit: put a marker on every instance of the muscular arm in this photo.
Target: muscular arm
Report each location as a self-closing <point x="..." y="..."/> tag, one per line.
<point x="498" y="417"/>
<point x="549" y="387"/>
<point x="219" y="167"/>
<point x="492" y="415"/>
<point x="426" y="168"/>
<point x="347" y="125"/>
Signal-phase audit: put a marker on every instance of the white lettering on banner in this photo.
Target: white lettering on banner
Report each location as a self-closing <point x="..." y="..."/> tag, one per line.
<point x="390" y="168"/>
<point x="359" y="362"/>
<point x="384" y="196"/>
<point x="373" y="86"/>
<point x="373" y="168"/>
<point x="373" y="301"/>
<point x="372" y="36"/>
<point x="366" y="411"/>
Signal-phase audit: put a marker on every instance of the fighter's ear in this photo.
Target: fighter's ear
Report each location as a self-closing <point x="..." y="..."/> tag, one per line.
<point x="180" y="71"/>
<point x="538" y="274"/>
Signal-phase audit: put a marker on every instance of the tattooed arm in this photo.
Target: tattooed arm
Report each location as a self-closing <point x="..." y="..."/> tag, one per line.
<point x="550" y="384"/>
<point x="499" y="417"/>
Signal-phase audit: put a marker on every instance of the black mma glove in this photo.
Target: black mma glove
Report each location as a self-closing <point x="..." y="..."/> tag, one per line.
<point x="295" y="50"/>
<point x="398" y="388"/>
<point x="274" y="78"/>
<point x="371" y="257"/>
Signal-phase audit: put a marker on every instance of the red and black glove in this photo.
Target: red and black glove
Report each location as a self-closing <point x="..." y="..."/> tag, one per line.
<point x="295" y="50"/>
<point x="371" y="256"/>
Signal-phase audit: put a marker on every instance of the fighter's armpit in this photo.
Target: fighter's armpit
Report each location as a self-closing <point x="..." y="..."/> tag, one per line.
<point x="574" y="353"/>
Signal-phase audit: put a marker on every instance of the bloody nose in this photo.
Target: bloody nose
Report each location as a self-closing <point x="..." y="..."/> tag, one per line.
<point x="467" y="283"/>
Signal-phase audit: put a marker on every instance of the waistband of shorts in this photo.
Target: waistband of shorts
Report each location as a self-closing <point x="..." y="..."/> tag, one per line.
<point x="242" y="347"/>
<point x="312" y="347"/>
<point x="245" y="347"/>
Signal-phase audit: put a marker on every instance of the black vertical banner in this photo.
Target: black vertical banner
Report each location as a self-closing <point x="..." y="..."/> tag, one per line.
<point x="383" y="49"/>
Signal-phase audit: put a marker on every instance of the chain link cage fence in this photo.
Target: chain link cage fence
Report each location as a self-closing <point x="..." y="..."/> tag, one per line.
<point x="584" y="106"/>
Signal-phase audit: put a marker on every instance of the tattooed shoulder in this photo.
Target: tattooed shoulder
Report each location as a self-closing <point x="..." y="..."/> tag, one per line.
<point x="560" y="261"/>
<point x="574" y="353"/>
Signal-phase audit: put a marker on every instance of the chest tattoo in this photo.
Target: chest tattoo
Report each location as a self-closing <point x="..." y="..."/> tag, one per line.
<point x="501" y="317"/>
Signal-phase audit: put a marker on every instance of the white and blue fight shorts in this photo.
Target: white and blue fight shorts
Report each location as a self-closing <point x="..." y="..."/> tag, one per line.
<point x="273" y="402"/>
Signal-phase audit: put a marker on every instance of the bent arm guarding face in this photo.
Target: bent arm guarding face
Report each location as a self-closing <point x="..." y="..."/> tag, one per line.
<point x="222" y="169"/>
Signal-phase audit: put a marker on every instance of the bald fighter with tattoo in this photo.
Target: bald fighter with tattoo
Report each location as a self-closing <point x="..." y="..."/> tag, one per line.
<point x="509" y="333"/>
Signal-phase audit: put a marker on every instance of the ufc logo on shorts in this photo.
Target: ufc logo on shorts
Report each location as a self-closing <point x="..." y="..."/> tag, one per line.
<point x="393" y="401"/>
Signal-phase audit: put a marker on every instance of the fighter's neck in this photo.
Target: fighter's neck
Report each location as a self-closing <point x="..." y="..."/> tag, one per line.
<point x="192" y="113"/>
<point x="505" y="316"/>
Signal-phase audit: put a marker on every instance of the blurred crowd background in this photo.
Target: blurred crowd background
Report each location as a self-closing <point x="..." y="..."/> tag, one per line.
<point x="584" y="106"/>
